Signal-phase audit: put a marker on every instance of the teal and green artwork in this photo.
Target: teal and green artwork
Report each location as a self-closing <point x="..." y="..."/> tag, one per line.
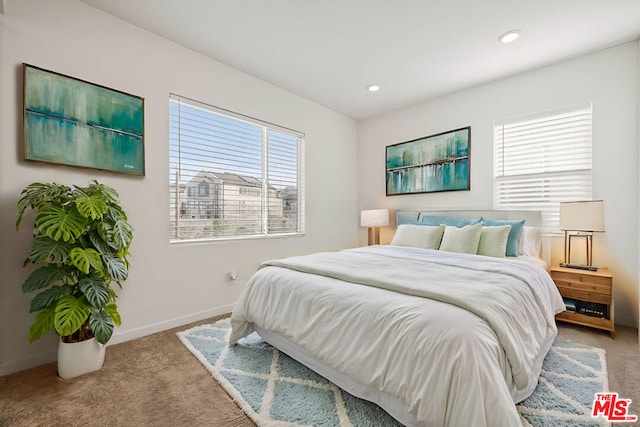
<point x="433" y="163"/>
<point x="72" y="122"/>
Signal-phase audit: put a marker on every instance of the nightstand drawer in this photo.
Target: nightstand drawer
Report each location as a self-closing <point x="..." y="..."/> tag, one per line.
<point x="584" y="296"/>
<point x="583" y="286"/>
<point x="583" y="282"/>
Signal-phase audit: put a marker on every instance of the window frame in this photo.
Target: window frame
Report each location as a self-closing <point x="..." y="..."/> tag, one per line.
<point x="266" y="191"/>
<point x="559" y="162"/>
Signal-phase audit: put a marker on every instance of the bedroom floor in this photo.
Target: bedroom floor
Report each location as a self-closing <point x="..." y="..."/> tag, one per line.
<point x="623" y="358"/>
<point x="156" y="381"/>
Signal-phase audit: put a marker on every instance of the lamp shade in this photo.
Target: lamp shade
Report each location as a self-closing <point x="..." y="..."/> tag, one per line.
<point x="374" y="218"/>
<point x="582" y="216"/>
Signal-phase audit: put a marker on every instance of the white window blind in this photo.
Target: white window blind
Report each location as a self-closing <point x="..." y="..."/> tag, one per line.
<point x="232" y="176"/>
<point x="543" y="159"/>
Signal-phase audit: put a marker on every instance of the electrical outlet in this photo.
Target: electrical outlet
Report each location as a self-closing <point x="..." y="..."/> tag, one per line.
<point x="232" y="276"/>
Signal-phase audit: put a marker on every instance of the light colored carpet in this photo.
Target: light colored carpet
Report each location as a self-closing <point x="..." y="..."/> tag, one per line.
<point x="272" y="388"/>
<point x="156" y="381"/>
<point x="150" y="381"/>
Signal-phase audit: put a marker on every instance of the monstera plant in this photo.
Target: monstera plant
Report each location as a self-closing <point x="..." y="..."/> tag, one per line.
<point x="81" y="243"/>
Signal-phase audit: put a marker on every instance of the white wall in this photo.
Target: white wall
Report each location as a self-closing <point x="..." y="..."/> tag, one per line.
<point x="608" y="78"/>
<point x="168" y="285"/>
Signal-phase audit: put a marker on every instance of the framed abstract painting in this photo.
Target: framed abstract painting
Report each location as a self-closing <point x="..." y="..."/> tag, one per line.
<point x="76" y="123"/>
<point x="434" y="163"/>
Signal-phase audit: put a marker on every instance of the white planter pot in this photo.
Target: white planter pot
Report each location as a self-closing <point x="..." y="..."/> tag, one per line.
<point x="75" y="359"/>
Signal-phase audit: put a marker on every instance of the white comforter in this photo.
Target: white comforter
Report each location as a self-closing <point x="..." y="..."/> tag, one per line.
<point x="456" y="338"/>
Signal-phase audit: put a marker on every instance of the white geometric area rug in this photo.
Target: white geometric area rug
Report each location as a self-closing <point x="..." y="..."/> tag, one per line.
<point x="275" y="390"/>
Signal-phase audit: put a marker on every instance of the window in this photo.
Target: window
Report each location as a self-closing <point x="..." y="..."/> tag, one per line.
<point x="203" y="189"/>
<point x="248" y="190"/>
<point x="232" y="176"/>
<point x="542" y="160"/>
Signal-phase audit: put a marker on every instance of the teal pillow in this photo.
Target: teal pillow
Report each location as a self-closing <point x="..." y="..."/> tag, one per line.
<point x="447" y="220"/>
<point x="513" y="242"/>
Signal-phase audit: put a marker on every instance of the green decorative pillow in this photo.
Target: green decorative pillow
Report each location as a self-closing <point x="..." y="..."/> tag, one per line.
<point x="465" y="239"/>
<point x="418" y="236"/>
<point x="514" y="235"/>
<point x="493" y="241"/>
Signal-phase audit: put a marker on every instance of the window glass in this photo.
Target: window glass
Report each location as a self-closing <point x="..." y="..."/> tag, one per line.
<point x="232" y="176"/>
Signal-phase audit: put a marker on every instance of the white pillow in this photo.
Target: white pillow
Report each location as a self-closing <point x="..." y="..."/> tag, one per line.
<point x="465" y="239"/>
<point x="418" y="236"/>
<point x="493" y="241"/>
<point x="530" y="242"/>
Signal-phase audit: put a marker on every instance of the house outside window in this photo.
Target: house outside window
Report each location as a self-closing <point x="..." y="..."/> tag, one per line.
<point x="232" y="176"/>
<point x="543" y="159"/>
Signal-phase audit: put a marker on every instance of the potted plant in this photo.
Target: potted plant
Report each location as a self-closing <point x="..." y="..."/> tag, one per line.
<point x="81" y="244"/>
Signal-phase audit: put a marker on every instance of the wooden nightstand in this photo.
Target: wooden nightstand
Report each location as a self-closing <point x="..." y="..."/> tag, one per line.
<point x="588" y="286"/>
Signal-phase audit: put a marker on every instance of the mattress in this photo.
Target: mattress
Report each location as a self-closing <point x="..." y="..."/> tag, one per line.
<point x="434" y="338"/>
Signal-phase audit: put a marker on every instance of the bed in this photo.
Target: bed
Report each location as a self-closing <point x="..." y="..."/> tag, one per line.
<point x="435" y="337"/>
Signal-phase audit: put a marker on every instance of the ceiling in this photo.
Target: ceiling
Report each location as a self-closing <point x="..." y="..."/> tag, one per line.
<point x="329" y="51"/>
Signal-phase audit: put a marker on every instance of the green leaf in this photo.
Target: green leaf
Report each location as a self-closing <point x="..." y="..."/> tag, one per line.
<point x="104" y="231"/>
<point x="84" y="259"/>
<point x="36" y="194"/>
<point x="96" y="292"/>
<point x="101" y="324"/>
<point x="112" y="309"/>
<point x="44" y="323"/>
<point x="105" y="191"/>
<point x="92" y="206"/>
<point x="60" y="223"/>
<point x="116" y="267"/>
<point x="71" y="313"/>
<point x="43" y="277"/>
<point x="123" y="254"/>
<point x="47" y="297"/>
<point x="115" y="213"/>
<point x="122" y="234"/>
<point x="98" y="242"/>
<point x="45" y="249"/>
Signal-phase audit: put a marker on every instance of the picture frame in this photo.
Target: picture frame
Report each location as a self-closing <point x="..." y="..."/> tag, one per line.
<point x="73" y="122"/>
<point x="430" y="164"/>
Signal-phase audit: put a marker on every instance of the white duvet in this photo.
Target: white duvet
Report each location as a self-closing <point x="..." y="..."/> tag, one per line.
<point x="456" y="338"/>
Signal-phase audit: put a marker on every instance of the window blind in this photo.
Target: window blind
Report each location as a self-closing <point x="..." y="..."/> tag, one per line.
<point x="543" y="159"/>
<point x="232" y="176"/>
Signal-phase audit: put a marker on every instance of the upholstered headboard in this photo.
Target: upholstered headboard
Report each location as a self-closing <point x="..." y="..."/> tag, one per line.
<point x="532" y="218"/>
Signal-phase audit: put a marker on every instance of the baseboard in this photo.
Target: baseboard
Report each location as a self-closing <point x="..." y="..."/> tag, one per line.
<point x="117" y="338"/>
<point x="31" y="362"/>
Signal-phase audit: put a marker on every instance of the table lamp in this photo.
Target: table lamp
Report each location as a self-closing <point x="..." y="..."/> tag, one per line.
<point x="374" y="219"/>
<point x="581" y="219"/>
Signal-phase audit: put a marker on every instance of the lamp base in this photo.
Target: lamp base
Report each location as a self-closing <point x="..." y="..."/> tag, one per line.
<point x="569" y="236"/>
<point x="374" y="236"/>
<point x="579" y="267"/>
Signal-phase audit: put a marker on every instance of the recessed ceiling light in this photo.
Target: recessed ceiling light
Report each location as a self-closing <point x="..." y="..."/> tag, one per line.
<point x="509" y="36"/>
<point x="373" y="88"/>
